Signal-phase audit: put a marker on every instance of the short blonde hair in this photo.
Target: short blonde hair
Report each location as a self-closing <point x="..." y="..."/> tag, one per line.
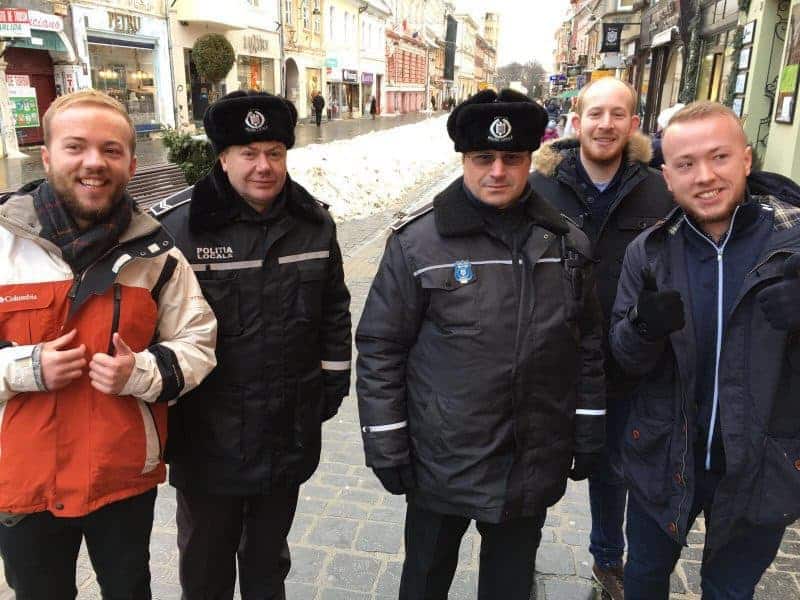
<point x="702" y="109"/>
<point x="83" y="97"/>
<point x="581" y="96"/>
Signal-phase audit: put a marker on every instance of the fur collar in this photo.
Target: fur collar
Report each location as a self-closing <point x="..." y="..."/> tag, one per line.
<point x="212" y="204"/>
<point x="455" y="215"/>
<point x="547" y="158"/>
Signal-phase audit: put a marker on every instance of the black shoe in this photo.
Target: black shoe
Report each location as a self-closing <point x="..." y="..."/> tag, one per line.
<point x="610" y="580"/>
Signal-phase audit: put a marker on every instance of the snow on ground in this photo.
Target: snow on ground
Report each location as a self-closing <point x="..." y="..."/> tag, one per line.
<point x="361" y="176"/>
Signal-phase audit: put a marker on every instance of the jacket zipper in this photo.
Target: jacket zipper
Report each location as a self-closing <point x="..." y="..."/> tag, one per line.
<point x="720" y="250"/>
<point x="518" y="266"/>
<point x="115" y="317"/>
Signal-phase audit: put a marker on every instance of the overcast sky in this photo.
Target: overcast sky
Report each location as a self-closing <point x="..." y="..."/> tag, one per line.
<point x="527" y="27"/>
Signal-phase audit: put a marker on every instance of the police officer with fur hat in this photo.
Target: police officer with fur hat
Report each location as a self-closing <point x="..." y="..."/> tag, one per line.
<point x="265" y="253"/>
<point x="480" y="378"/>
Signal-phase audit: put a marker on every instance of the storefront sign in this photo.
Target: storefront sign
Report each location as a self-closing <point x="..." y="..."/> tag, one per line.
<point x="349" y="76"/>
<point x="255" y="44"/>
<point x="122" y="23"/>
<point x="612" y="34"/>
<point x="24" y="107"/>
<point x="18" y="80"/>
<point x="14" y="23"/>
<point x="662" y="17"/>
<point x="45" y="21"/>
<point x="602" y="73"/>
<point x="331" y="63"/>
<point x="366" y="78"/>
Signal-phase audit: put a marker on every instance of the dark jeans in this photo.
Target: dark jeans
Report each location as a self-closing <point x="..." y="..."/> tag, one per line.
<point x="731" y="574"/>
<point x="507" y="556"/>
<point x="607" y="492"/>
<point x="318" y="117"/>
<point x="40" y="552"/>
<point x="214" y="530"/>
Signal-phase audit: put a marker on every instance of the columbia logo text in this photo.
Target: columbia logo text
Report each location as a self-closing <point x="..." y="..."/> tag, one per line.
<point x="22" y="298"/>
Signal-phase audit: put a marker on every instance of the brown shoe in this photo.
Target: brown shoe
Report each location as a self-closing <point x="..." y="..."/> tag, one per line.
<point x="610" y="580"/>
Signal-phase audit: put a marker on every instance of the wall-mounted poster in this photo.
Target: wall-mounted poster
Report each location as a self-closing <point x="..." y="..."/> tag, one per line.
<point x="748" y="33"/>
<point x="741" y="83"/>
<point x="744" y="57"/>
<point x="24" y="107"/>
<point x="738" y="106"/>
<point x="787" y="84"/>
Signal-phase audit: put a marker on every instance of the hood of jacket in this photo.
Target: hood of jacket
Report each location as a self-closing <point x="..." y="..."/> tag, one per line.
<point x="547" y="159"/>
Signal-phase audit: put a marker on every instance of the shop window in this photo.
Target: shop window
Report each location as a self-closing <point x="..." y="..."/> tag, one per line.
<point x="128" y="75"/>
<point x="255" y="73"/>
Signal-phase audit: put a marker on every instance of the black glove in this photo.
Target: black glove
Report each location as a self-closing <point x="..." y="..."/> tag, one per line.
<point x="584" y="465"/>
<point x="657" y="314"/>
<point x="781" y="301"/>
<point x="397" y="480"/>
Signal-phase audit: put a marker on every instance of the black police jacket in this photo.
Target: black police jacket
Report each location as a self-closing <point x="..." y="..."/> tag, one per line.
<point x="642" y="200"/>
<point x="277" y="287"/>
<point x="481" y="364"/>
<point x="759" y="384"/>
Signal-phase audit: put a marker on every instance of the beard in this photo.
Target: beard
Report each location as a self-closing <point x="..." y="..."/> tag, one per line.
<point x="63" y="187"/>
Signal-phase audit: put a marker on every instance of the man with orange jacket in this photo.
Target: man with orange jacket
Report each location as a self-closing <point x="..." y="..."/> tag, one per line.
<point x="102" y="324"/>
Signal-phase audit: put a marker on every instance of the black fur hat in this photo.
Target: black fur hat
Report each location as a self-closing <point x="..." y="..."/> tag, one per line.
<point x="490" y="121"/>
<point x="241" y="117"/>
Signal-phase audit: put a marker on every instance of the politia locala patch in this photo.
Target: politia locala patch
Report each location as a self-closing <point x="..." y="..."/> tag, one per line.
<point x="462" y="272"/>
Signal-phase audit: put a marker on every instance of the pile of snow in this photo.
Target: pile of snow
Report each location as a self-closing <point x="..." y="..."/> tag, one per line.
<point x="363" y="175"/>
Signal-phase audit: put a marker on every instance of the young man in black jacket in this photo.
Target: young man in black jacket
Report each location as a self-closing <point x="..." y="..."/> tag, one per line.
<point x="480" y="376"/>
<point x="601" y="181"/>
<point x="266" y="255"/>
<point x="706" y="314"/>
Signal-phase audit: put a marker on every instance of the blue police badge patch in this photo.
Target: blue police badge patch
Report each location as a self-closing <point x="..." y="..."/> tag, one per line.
<point x="463" y="272"/>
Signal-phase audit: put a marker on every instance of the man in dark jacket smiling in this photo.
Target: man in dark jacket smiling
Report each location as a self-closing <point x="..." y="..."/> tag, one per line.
<point x="480" y="376"/>
<point x="707" y="312"/>
<point x="602" y="182"/>
<point x="266" y="256"/>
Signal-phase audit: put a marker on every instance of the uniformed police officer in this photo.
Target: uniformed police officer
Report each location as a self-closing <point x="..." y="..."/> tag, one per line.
<point x="480" y="377"/>
<point x="266" y="255"/>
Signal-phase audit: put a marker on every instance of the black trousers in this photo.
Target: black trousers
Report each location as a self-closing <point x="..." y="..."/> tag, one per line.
<point x="40" y="552"/>
<point x="318" y="116"/>
<point x="507" y="555"/>
<point x="213" y="531"/>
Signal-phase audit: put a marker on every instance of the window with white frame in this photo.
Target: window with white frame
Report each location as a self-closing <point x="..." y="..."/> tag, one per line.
<point x="289" y="12"/>
<point x="625" y="4"/>
<point x="317" y="16"/>
<point x="332" y="23"/>
<point x="346" y="27"/>
<point x="306" y="14"/>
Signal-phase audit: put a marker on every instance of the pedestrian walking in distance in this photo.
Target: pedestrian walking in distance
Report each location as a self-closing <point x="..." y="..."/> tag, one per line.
<point x="318" y="102"/>
<point x="265" y="252"/>
<point x="480" y="378"/>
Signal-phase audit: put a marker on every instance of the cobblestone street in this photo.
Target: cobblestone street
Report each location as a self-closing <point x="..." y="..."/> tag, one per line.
<point x="347" y="536"/>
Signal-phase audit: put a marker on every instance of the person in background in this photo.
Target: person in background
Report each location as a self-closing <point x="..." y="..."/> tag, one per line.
<point x="600" y="179"/>
<point x="318" y="102"/>
<point x="662" y="121"/>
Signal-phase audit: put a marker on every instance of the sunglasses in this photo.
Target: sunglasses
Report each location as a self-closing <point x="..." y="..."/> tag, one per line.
<point x="486" y="159"/>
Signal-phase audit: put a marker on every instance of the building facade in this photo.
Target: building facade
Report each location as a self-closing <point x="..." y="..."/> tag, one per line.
<point x="465" y="83"/>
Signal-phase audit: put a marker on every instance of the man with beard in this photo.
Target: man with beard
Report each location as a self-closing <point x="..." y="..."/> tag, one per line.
<point x="102" y="323"/>
<point x="601" y="181"/>
<point x="265" y="252"/>
<point x="706" y="314"/>
<point x="480" y="376"/>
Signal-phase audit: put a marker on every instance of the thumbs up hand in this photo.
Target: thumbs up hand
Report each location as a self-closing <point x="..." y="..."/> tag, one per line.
<point x="657" y="314"/>
<point x="781" y="301"/>
<point x="109" y="374"/>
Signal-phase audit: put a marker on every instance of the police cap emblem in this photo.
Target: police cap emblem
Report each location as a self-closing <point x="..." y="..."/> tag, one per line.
<point x="500" y="129"/>
<point x="255" y="120"/>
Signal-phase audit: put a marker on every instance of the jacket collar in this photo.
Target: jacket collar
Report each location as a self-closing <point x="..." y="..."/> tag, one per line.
<point x="215" y="203"/>
<point x="455" y="215"/>
<point x="548" y="158"/>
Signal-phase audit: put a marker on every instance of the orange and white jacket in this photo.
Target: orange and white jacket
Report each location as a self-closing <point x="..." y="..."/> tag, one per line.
<point x="74" y="450"/>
